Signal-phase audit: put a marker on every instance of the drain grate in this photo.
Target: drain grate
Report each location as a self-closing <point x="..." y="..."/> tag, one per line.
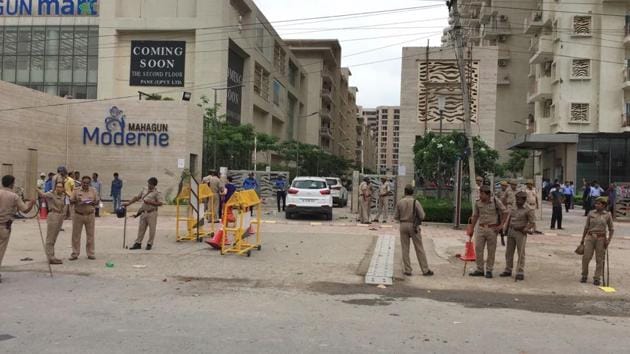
<point x="381" y="270"/>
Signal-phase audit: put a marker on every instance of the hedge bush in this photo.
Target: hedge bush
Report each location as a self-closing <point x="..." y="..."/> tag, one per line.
<point x="443" y="210"/>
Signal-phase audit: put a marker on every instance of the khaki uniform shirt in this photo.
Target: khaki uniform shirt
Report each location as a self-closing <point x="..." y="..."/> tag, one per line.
<point x="154" y="196"/>
<point x="509" y="199"/>
<point x="596" y="222"/>
<point x="383" y="190"/>
<point x="520" y="218"/>
<point x="215" y="185"/>
<point x="404" y="210"/>
<point x="79" y="196"/>
<point x="9" y="205"/>
<point x="55" y="203"/>
<point x="487" y="212"/>
<point x="532" y="197"/>
<point x="365" y="191"/>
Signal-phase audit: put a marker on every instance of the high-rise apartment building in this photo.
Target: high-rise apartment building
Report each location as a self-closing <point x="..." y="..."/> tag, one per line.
<point x="384" y="121"/>
<point x="366" y="152"/>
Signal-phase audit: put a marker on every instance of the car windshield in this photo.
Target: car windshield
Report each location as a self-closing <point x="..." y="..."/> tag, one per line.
<point x="308" y="184"/>
<point x="331" y="181"/>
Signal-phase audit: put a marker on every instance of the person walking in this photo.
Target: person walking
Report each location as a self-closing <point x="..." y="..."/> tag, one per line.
<point x="521" y="221"/>
<point x="595" y="241"/>
<point x="587" y="204"/>
<point x="148" y="212"/>
<point x="410" y="214"/>
<point x="10" y="203"/>
<point x="281" y="191"/>
<point x="116" y="191"/>
<point x="248" y="184"/>
<point x="56" y="203"/>
<point x="49" y="186"/>
<point x="491" y="215"/>
<point x="556" y="197"/>
<point x="97" y="185"/>
<point x="568" y="195"/>
<point x="85" y="200"/>
<point x="384" y="193"/>
<point x="365" y="196"/>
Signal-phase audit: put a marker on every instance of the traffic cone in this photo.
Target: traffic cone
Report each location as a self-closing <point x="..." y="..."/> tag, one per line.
<point x="217" y="239"/>
<point x="230" y="215"/>
<point x="469" y="254"/>
<point x="43" y="210"/>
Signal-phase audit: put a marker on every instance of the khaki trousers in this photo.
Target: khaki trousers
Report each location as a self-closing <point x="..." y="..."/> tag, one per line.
<point x="4" y="241"/>
<point x="515" y="242"/>
<point x="594" y="244"/>
<point x="383" y="208"/>
<point x="364" y="210"/>
<point x="147" y="220"/>
<point x="215" y="206"/>
<point x="54" y="222"/>
<point x="78" y="221"/>
<point x="407" y="233"/>
<point x="485" y="237"/>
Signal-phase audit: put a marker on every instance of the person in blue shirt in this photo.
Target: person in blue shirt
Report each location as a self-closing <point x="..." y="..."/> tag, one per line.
<point x="568" y="195"/>
<point x="251" y="183"/>
<point x="281" y="192"/>
<point x="116" y="191"/>
<point x="48" y="185"/>
<point x="226" y="193"/>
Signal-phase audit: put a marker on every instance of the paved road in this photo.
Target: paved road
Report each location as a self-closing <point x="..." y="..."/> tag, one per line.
<point x="303" y="293"/>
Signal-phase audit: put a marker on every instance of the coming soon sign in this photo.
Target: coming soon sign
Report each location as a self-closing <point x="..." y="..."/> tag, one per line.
<point x="158" y="63"/>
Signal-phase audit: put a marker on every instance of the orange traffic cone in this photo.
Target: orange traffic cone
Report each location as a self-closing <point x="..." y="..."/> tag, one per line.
<point x="469" y="254"/>
<point x="43" y="210"/>
<point x="217" y="240"/>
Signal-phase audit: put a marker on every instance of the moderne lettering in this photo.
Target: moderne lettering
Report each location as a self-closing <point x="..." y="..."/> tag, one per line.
<point x="130" y="138"/>
<point x="48" y="7"/>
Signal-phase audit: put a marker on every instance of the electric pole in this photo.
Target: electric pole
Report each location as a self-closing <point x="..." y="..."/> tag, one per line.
<point x="458" y="34"/>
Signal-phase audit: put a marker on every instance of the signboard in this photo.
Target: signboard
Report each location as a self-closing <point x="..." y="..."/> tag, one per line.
<point x="236" y="65"/>
<point x="25" y="8"/>
<point x="181" y="163"/>
<point x="157" y="63"/>
<point x="119" y="132"/>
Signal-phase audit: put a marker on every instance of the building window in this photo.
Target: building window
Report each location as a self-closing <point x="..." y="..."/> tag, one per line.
<point x="278" y="89"/>
<point x="294" y="73"/>
<point x="582" y="25"/>
<point x="581" y="69"/>
<point x="554" y="72"/>
<point x="260" y="37"/>
<point x="279" y="58"/>
<point x="547" y="108"/>
<point x="261" y="82"/>
<point x="579" y="113"/>
<point x="58" y="60"/>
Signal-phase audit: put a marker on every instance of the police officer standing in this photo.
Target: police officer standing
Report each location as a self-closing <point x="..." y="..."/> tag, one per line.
<point x="151" y="201"/>
<point x="85" y="200"/>
<point x="491" y="215"/>
<point x="595" y="240"/>
<point x="216" y="186"/>
<point x="56" y="203"/>
<point x="521" y="220"/>
<point x="9" y="204"/>
<point x="506" y="196"/>
<point x="365" y="196"/>
<point x="410" y="214"/>
<point x="384" y="192"/>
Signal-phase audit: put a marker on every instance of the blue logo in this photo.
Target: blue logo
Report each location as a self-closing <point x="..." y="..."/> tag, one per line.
<point x="118" y="133"/>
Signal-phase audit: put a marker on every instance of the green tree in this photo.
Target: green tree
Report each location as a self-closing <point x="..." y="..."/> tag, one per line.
<point x="516" y="163"/>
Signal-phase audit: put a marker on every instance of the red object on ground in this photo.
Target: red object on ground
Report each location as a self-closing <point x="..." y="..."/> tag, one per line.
<point x="43" y="210"/>
<point x="216" y="240"/>
<point x="469" y="253"/>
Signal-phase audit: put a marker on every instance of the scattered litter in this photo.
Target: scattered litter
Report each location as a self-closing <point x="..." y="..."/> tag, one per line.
<point x="300" y="273"/>
<point x="342" y="218"/>
<point x="195" y="295"/>
<point x="164" y="280"/>
<point x="517" y="300"/>
<point x="457" y="255"/>
<point x="457" y="322"/>
<point x="429" y="291"/>
<point x="26" y="259"/>
<point x="381" y="286"/>
<point x="607" y="289"/>
<point x="109" y="264"/>
<point x="139" y="266"/>
<point x="373" y="228"/>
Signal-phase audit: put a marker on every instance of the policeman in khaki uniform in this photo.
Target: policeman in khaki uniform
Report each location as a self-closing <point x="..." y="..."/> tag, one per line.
<point x="84" y="199"/>
<point x="521" y="220"/>
<point x="215" y="184"/>
<point x="9" y="204"/>
<point x="491" y="215"/>
<point x="365" y="196"/>
<point x="595" y="240"/>
<point x="405" y="214"/>
<point x="151" y="201"/>
<point x="384" y="192"/>
<point x="56" y="213"/>
<point x="506" y="196"/>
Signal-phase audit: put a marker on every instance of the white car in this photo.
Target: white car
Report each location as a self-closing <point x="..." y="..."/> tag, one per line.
<point x="338" y="191"/>
<point x="309" y="195"/>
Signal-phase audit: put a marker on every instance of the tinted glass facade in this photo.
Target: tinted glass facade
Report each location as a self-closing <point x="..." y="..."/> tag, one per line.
<point x="605" y="158"/>
<point x="58" y="60"/>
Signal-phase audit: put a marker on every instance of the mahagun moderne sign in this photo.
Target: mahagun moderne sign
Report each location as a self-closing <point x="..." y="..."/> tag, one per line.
<point x="158" y="63"/>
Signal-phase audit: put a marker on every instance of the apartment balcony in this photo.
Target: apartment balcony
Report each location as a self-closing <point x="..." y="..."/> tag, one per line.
<point x="487" y="12"/>
<point x="503" y="80"/>
<point x="325" y="132"/>
<point x="541" y="50"/>
<point x="326" y="114"/>
<point x="539" y="89"/>
<point x="327" y="96"/>
<point x="533" y="23"/>
<point x="327" y="75"/>
<point x="495" y="30"/>
<point x="504" y="53"/>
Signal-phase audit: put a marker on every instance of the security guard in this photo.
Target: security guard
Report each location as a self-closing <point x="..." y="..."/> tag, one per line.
<point x="151" y="201"/>
<point x="405" y="213"/>
<point x="506" y="196"/>
<point x="9" y="204"/>
<point x="365" y="196"/>
<point x="521" y="220"/>
<point x="56" y="203"/>
<point x="384" y="192"/>
<point x="595" y="240"/>
<point x="84" y="199"/>
<point x="216" y="186"/>
<point x="491" y="215"/>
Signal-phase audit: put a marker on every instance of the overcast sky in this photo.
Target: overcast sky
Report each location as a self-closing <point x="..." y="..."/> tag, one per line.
<point x="378" y="83"/>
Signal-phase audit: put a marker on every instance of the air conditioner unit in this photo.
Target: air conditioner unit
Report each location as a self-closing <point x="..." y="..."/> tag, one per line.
<point x="503" y="63"/>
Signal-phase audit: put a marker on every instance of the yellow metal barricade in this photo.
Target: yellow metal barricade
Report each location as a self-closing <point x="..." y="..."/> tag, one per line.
<point x="237" y="234"/>
<point x="186" y="214"/>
